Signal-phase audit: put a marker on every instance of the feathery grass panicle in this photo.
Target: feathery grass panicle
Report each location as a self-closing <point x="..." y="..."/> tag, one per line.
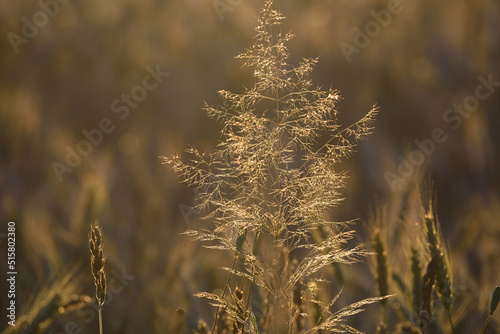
<point x="273" y="176"/>
<point x="335" y="322"/>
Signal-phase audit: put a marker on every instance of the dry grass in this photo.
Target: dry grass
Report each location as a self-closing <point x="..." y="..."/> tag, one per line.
<point x="52" y="301"/>
<point x="65" y="78"/>
<point x="97" y="261"/>
<point x="268" y="186"/>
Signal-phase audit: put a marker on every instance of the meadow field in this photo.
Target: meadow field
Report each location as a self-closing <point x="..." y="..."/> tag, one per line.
<point x="248" y="166"/>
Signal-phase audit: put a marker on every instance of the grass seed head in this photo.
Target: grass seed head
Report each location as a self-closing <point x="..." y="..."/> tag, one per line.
<point x="443" y="280"/>
<point x="97" y="261"/>
<point x="495" y="299"/>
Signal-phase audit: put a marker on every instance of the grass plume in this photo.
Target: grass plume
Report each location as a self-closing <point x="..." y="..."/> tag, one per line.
<point x="443" y="280"/>
<point x="272" y="178"/>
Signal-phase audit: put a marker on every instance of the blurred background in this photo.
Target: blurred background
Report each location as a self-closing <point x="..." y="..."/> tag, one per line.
<point x="67" y="67"/>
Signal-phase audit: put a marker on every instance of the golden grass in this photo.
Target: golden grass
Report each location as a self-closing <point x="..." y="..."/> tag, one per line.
<point x="97" y="261"/>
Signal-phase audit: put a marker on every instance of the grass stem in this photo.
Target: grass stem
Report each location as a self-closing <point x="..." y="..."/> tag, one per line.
<point x="224" y="292"/>
<point x="100" y="320"/>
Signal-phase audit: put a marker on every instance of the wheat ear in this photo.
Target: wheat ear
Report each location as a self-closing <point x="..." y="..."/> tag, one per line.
<point x="382" y="271"/>
<point x="97" y="261"/>
<point x="417" y="284"/>
<point x="427" y="285"/>
<point x="443" y="281"/>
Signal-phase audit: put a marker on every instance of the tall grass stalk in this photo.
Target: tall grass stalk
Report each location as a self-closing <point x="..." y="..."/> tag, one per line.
<point x="274" y="175"/>
<point x="97" y="261"/>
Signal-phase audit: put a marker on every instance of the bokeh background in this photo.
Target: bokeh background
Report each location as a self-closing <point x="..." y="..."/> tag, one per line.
<point x="64" y="79"/>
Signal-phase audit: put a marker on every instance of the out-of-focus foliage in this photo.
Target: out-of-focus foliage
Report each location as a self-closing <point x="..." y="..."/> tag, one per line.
<point x="66" y="77"/>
